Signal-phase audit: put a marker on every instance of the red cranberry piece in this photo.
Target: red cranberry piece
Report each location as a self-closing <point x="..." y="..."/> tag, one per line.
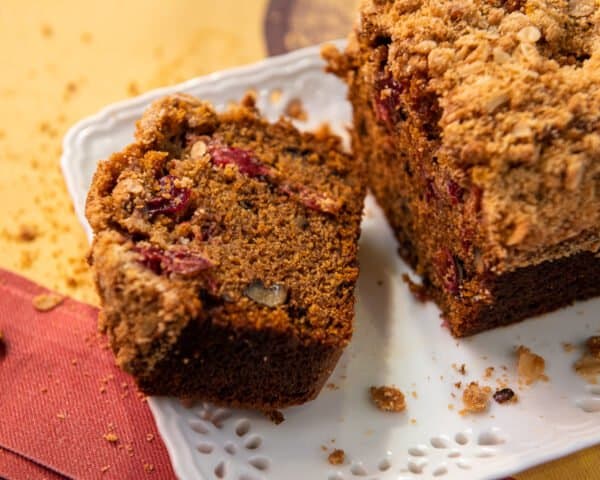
<point x="455" y="192"/>
<point x="152" y="258"/>
<point x="246" y="163"/>
<point x="311" y="199"/>
<point x="387" y="103"/>
<point x="449" y="271"/>
<point x="179" y="260"/>
<point x="171" y="199"/>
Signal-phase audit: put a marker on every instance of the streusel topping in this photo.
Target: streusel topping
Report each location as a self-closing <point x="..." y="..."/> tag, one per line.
<point x="517" y="84"/>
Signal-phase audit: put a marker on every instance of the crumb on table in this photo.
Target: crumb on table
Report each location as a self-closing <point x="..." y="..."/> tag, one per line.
<point x="337" y="457"/>
<point x="111" y="437"/>
<point x="388" y="399"/>
<point x="27" y="233"/>
<point x="476" y="398"/>
<point x="530" y="366"/>
<point x="47" y="301"/>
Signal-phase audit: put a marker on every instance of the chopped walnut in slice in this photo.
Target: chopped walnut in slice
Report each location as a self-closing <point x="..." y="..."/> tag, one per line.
<point x="388" y="399"/>
<point x="47" y="301"/>
<point x="588" y="366"/>
<point x="337" y="457"/>
<point x="476" y="399"/>
<point x="530" y="366"/>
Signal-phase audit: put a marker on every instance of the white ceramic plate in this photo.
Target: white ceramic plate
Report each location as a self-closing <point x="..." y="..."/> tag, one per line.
<point x="397" y="341"/>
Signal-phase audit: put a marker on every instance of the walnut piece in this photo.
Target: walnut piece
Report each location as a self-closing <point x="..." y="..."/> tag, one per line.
<point x="530" y="366"/>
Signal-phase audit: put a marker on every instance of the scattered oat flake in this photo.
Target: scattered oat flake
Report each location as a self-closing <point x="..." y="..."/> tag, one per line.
<point x="476" y="399"/>
<point x="47" y="301"/>
<point x="489" y="371"/>
<point x="332" y="386"/>
<point x="388" y="399"/>
<point x="337" y="457"/>
<point x="105" y="468"/>
<point x="61" y="415"/>
<point x="530" y="366"/>
<point x="148" y="467"/>
<point x="568" y="347"/>
<point x="149" y="437"/>
<point x="275" y="416"/>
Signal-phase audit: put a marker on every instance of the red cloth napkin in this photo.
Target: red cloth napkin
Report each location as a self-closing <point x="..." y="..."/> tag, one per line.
<point x="65" y="409"/>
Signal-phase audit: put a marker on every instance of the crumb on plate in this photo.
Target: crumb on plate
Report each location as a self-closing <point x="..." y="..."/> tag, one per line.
<point x="275" y="416"/>
<point x="337" y="457"/>
<point x="476" y="398"/>
<point x="388" y="399"/>
<point x="530" y="366"/>
<point x="588" y="366"/>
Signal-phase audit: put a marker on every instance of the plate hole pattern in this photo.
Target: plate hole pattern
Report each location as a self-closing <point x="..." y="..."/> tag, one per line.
<point x="384" y="465"/>
<point x="490" y="437"/>
<point x="440" y="470"/>
<point x="358" y="470"/>
<point x="230" y="448"/>
<point x="220" y="470"/>
<point x="242" y="427"/>
<point x="205" y="448"/>
<point x="200" y="427"/>
<point x="417" y="466"/>
<point x="462" y="438"/>
<point x="253" y="442"/>
<point x="441" y="441"/>
<point x="454" y="453"/>
<point x="418" y="451"/>
<point x="260" y="463"/>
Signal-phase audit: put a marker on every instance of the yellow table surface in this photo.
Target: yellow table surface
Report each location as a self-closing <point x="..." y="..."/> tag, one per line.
<point x="65" y="59"/>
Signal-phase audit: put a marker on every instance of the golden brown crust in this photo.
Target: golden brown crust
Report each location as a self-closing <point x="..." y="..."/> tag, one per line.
<point x="225" y="226"/>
